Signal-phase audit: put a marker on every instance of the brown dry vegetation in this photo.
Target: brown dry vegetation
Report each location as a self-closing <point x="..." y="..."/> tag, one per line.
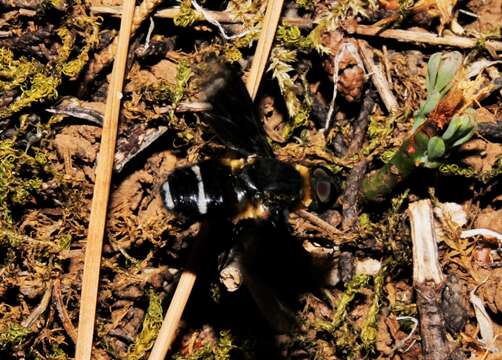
<point x="55" y="59"/>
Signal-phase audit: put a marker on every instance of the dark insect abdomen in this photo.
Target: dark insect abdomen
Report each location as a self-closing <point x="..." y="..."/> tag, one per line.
<point x="205" y="189"/>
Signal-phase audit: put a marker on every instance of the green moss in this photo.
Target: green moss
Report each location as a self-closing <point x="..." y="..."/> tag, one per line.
<point x="16" y="71"/>
<point x="151" y="326"/>
<point x="484" y="176"/>
<point x="306" y="4"/>
<point x="369" y="328"/>
<point x="357" y="283"/>
<point x="43" y="87"/>
<point x="291" y="36"/>
<point x="281" y="65"/>
<point x="232" y="53"/>
<point x="90" y="28"/>
<point x="183" y="75"/>
<point x="222" y="350"/>
<point x="14" y="335"/>
<point x="19" y="177"/>
<point x="186" y="16"/>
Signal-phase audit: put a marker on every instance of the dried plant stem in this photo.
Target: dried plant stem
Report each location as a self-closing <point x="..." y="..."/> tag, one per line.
<point x="90" y="278"/>
<point x="378" y="77"/>
<point x="223" y="17"/>
<point x="63" y="314"/>
<point x="425" y="37"/>
<point x="314" y="219"/>
<point x="270" y="22"/>
<point x="351" y="197"/>
<point x="180" y="298"/>
<point x="105" y="57"/>
<point x="40" y="309"/>
<point x="428" y="281"/>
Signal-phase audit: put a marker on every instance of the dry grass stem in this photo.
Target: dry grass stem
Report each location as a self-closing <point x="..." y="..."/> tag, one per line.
<point x="424" y="37"/>
<point x="378" y="78"/>
<point x="90" y="278"/>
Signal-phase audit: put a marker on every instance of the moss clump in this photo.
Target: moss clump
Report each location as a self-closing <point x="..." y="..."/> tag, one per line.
<point x="369" y="327"/>
<point x="223" y="349"/>
<point x="151" y="326"/>
<point x="19" y="177"/>
<point x="186" y="16"/>
<point x="13" y="335"/>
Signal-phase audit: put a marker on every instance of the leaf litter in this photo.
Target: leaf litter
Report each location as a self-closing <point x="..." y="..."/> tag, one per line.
<point x="441" y="143"/>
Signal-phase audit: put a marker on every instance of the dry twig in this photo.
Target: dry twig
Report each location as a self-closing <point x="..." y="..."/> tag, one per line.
<point x="63" y="314"/>
<point x="428" y="281"/>
<point x="40" y="309"/>
<point x="424" y="37"/>
<point x="90" y="278"/>
<point x="378" y="78"/>
<point x="270" y="22"/>
<point x="180" y="298"/>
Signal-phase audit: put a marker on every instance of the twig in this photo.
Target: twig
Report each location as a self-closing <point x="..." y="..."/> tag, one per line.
<point x="63" y="314"/>
<point x="167" y="332"/>
<point x="352" y="195"/>
<point x="361" y="123"/>
<point x="318" y="221"/>
<point x="130" y="147"/>
<point x="90" y="278"/>
<point x="221" y="16"/>
<point x="482" y="232"/>
<point x="424" y="37"/>
<point x="428" y="280"/>
<point x="40" y="309"/>
<point x="270" y="22"/>
<point x="491" y="131"/>
<point x="378" y="78"/>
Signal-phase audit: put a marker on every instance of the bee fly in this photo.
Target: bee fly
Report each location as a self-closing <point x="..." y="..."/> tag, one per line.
<point x="253" y="186"/>
<point x="255" y="191"/>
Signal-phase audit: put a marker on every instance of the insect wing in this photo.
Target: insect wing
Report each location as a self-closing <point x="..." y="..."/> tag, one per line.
<point x="233" y="117"/>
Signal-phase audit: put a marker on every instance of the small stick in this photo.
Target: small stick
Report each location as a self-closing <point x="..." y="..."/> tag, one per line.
<point x="351" y="197"/>
<point x="169" y="326"/>
<point x="63" y="314"/>
<point x="378" y="78"/>
<point x="424" y="37"/>
<point x="40" y="309"/>
<point x="270" y="22"/>
<point x="428" y="281"/>
<point x="221" y="16"/>
<point x="90" y="278"/>
<point x="318" y="221"/>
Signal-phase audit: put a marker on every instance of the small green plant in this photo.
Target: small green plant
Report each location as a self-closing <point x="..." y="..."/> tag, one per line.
<point x="427" y="146"/>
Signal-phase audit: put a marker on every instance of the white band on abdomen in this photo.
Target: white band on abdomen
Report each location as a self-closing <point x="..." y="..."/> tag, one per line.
<point x="168" y="197"/>
<point x="201" y="198"/>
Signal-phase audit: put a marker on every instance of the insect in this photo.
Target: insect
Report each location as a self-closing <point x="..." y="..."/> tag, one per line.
<point x="255" y="190"/>
<point x="257" y="184"/>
